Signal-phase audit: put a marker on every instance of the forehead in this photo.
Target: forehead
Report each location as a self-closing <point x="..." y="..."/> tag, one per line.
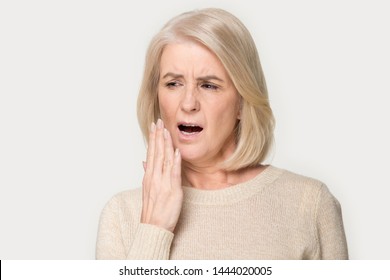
<point x="186" y="56"/>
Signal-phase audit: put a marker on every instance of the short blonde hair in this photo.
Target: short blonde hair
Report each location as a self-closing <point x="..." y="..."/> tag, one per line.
<point x="227" y="37"/>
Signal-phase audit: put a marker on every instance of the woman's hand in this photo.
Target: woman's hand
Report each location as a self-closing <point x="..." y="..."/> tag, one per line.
<point x="162" y="196"/>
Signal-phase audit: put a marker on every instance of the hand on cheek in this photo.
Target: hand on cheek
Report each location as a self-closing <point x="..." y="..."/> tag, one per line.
<point x="162" y="197"/>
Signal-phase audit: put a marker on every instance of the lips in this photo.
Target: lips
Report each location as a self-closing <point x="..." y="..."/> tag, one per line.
<point x="189" y="128"/>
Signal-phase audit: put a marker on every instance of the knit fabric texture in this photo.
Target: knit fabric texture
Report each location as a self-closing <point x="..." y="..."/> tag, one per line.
<point x="276" y="215"/>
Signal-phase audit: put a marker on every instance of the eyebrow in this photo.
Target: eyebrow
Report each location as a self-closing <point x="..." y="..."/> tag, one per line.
<point x="203" y="78"/>
<point x="173" y="75"/>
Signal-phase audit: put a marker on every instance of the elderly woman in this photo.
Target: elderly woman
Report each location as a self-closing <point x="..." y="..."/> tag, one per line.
<point x="203" y="108"/>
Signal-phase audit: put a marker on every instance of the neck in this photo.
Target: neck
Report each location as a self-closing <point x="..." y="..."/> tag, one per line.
<point x="206" y="177"/>
<point x="212" y="178"/>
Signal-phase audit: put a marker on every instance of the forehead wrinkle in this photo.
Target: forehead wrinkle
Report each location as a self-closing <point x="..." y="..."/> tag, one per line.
<point x="201" y="67"/>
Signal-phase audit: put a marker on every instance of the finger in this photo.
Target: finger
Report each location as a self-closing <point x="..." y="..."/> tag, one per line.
<point x="158" y="152"/>
<point x="168" y="153"/>
<point x="144" y="165"/>
<point x="148" y="171"/>
<point x="151" y="149"/>
<point x="168" y="160"/>
<point x="176" y="170"/>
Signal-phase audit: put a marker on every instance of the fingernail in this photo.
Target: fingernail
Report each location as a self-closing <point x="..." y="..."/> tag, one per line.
<point x="166" y="133"/>
<point x="177" y="153"/>
<point x="152" y="127"/>
<point x="159" y="123"/>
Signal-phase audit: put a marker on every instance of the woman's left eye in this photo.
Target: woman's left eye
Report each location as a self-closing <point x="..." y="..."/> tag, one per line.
<point x="209" y="86"/>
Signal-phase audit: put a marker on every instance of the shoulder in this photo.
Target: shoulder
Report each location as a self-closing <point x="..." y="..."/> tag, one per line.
<point x="127" y="196"/>
<point x="290" y="181"/>
<point x="301" y="189"/>
<point x="128" y="201"/>
<point x="305" y="194"/>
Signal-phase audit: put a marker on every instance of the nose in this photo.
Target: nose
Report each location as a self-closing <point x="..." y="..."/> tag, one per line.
<point x="190" y="102"/>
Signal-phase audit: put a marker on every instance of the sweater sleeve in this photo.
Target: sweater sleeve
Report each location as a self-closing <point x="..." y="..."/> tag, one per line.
<point x="330" y="228"/>
<point x="151" y="243"/>
<point x="146" y="242"/>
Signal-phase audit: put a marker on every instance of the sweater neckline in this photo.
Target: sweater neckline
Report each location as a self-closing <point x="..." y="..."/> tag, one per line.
<point x="235" y="193"/>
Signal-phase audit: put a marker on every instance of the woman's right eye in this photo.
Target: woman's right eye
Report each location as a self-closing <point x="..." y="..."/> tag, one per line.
<point x="172" y="84"/>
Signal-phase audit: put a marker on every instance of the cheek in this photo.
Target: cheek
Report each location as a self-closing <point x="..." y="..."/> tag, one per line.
<point x="227" y="113"/>
<point x="167" y="110"/>
<point x="164" y="107"/>
<point x="162" y="104"/>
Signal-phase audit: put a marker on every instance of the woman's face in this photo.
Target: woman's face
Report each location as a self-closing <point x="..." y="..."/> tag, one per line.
<point x="198" y="103"/>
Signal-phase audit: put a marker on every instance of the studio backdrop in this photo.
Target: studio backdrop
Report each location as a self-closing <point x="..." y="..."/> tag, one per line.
<point x="70" y="72"/>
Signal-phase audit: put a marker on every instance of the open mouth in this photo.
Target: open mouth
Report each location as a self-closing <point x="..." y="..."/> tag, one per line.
<point x="189" y="128"/>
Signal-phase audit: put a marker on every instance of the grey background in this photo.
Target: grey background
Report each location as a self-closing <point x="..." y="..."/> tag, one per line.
<point x="69" y="137"/>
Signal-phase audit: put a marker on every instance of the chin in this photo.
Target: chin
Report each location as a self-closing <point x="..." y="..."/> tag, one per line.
<point x="190" y="155"/>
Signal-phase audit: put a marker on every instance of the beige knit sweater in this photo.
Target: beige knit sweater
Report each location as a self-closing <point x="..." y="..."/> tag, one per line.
<point x="276" y="215"/>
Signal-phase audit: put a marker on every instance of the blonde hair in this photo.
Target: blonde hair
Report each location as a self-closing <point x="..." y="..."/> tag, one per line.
<point x="227" y="37"/>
